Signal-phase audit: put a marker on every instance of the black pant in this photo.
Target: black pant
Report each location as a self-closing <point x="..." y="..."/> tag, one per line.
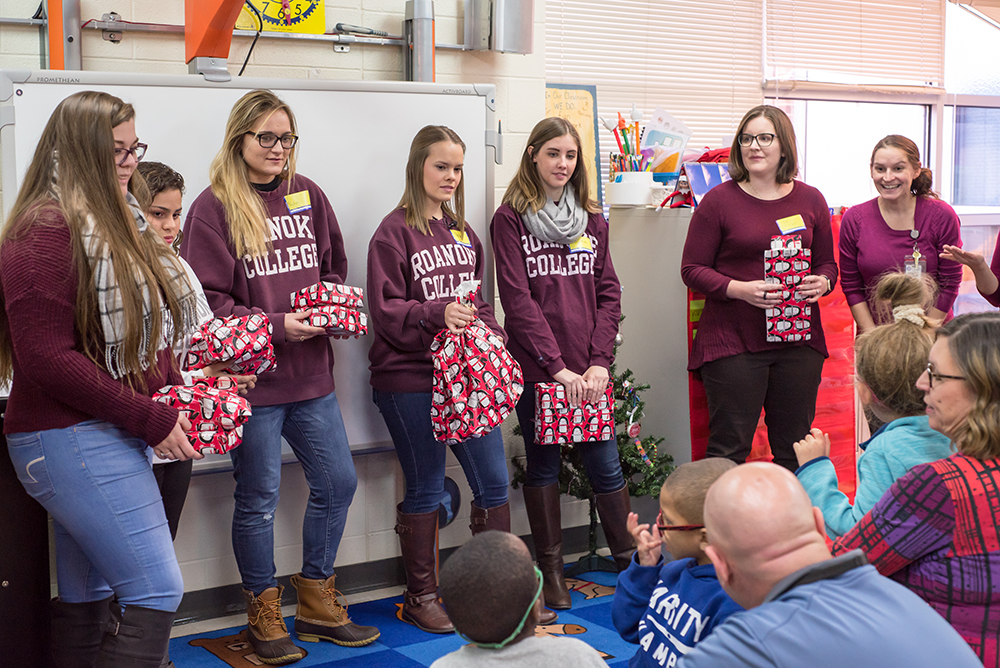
<point x="173" y="479"/>
<point x="783" y="382"/>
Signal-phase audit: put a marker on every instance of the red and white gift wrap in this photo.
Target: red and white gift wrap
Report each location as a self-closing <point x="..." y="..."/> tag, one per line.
<point x="335" y="307"/>
<point x="217" y="416"/>
<point x="242" y="342"/>
<point x="787" y="263"/>
<point x="558" y="423"/>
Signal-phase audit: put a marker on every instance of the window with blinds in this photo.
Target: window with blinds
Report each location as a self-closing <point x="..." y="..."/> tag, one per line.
<point x="880" y="45"/>
<point x="699" y="60"/>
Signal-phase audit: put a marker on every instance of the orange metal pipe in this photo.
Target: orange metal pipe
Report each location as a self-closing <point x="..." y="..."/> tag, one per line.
<point x="208" y="27"/>
<point x="57" y="53"/>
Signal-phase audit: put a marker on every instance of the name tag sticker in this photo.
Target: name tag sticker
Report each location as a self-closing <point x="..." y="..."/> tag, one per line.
<point x="462" y="238"/>
<point x="791" y="224"/>
<point x="582" y="245"/>
<point x="298" y="202"/>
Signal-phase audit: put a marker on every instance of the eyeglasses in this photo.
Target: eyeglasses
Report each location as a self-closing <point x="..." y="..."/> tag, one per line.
<point x="764" y="139"/>
<point x="122" y="154"/>
<point x="675" y="527"/>
<point x="269" y="139"/>
<point x="932" y="377"/>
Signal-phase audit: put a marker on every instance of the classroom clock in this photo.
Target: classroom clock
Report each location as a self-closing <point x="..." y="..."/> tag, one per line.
<point x="286" y="16"/>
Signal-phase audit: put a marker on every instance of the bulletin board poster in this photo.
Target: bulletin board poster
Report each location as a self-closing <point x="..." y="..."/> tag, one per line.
<point x="578" y="105"/>
<point x="305" y="16"/>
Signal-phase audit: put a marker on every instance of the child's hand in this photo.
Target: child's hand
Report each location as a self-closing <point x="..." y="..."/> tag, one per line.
<point x="647" y="544"/>
<point x="816" y="444"/>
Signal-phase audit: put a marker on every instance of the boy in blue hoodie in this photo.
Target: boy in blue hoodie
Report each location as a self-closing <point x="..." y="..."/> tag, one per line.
<point x="667" y="606"/>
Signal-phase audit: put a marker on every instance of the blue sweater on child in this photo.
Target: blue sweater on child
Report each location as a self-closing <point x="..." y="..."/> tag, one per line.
<point x="892" y="451"/>
<point x="667" y="608"/>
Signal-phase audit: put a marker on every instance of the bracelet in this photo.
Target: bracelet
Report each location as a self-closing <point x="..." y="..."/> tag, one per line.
<point x="829" y="284"/>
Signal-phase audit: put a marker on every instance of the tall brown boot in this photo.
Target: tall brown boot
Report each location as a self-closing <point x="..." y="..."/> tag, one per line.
<point x="614" y="508"/>
<point x="489" y="519"/>
<point x="418" y="540"/>
<point x="266" y="631"/>
<point x="545" y="518"/>
<point x="320" y="616"/>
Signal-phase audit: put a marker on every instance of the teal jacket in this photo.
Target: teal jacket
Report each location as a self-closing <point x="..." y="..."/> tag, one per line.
<point x="892" y="451"/>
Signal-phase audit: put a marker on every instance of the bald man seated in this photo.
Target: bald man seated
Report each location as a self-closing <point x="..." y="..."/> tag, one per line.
<point x="803" y="606"/>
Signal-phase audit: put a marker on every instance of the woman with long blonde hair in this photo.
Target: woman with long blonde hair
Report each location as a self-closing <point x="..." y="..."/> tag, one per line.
<point x="562" y="302"/>
<point x="259" y="233"/>
<point x="93" y="301"/>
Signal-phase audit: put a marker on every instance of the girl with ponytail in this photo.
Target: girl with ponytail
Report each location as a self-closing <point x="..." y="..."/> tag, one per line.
<point x="888" y="360"/>
<point x="905" y="228"/>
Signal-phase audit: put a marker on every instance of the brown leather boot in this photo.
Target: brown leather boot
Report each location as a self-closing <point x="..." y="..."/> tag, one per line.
<point x="266" y="630"/>
<point x="489" y="519"/>
<point x="320" y="616"/>
<point x="545" y="518"/>
<point x="614" y="508"/>
<point x="418" y="541"/>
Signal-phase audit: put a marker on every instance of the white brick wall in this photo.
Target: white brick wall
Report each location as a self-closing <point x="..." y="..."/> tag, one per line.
<point x="203" y="544"/>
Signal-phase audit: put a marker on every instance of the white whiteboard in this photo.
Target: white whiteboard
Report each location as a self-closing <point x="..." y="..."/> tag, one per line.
<point x="354" y="141"/>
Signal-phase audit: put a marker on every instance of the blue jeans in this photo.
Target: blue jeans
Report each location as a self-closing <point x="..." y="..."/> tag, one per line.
<point x="600" y="458"/>
<point x="422" y="458"/>
<point x="111" y="531"/>
<point x="315" y="430"/>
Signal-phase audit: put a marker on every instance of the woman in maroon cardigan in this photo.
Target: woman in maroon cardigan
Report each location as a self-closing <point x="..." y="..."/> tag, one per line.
<point x="562" y="302"/>
<point x="724" y="258"/>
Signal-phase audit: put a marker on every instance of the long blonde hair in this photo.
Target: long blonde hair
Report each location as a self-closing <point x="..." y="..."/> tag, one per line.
<point x="230" y="178"/>
<point x="526" y="189"/>
<point x="73" y="172"/>
<point x="414" y="195"/>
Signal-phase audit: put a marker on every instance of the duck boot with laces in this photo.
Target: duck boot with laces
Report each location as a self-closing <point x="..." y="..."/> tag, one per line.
<point x="320" y="616"/>
<point x="266" y="631"/>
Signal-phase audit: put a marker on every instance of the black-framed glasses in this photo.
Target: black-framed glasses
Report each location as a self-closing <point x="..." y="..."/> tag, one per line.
<point x="122" y="154"/>
<point x="938" y="377"/>
<point x="675" y="527"/>
<point x="764" y="139"/>
<point x="269" y="139"/>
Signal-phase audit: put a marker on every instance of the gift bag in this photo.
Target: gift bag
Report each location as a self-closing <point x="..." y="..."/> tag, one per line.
<point x="335" y="307"/>
<point x="217" y="415"/>
<point x="787" y="263"/>
<point x="558" y="423"/>
<point x="476" y="381"/>
<point x="243" y="342"/>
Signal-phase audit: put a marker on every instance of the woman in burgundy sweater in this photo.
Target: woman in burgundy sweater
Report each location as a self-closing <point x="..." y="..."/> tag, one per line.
<point x="724" y="258"/>
<point x="562" y="303"/>
<point x="259" y="233"/>
<point x="417" y="257"/>
<point x="93" y="301"/>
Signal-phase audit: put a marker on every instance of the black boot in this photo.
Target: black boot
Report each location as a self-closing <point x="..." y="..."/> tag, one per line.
<point x="77" y="630"/>
<point x="136" y="637"/>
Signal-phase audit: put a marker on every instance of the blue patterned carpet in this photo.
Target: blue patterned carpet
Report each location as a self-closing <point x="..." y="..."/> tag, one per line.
<point x="404" y="646"/>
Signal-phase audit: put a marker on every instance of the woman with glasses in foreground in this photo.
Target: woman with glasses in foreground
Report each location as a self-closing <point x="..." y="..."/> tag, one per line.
<point x="937" y="529"/>
<point x="724" y="259"/>
<point x="93" y="301"/>
<point x="259" y="233"/>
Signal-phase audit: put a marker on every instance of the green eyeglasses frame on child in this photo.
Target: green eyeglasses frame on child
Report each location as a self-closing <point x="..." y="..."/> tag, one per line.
<point x="520" y="627"/>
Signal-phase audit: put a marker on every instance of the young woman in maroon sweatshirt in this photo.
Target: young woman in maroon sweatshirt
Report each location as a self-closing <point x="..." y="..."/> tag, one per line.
<point x="419" y="254"/>
<point x="562" y="301"/>
<point x="93" y="301"/>
<point x="724" y="258"/>
<point x="256" y="235"/>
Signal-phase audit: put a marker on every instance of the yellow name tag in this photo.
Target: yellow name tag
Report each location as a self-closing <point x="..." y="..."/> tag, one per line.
<point x="298" y="202"/>
<point x="582" y="245"/>
<point x="791" y="224"/>
<point x="462" y="238"/>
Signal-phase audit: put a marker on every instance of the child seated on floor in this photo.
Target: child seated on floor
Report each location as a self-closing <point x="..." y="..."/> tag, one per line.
<point x="888" y="360"/>
<point x="667" y="607"/>
<point x="491" y="590"/>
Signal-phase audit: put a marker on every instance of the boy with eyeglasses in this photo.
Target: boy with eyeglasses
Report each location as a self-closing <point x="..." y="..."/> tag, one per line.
<point x="491" y="591"/>
<point x="668" y="606"/>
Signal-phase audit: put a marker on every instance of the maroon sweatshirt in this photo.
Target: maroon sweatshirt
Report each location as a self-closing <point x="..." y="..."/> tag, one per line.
<point x="561" y="307"/>
<point x="727" y="237"/>
<point x="55" y="384"/>
<point x="307" y="248"/>
<point x="411" y="279"/>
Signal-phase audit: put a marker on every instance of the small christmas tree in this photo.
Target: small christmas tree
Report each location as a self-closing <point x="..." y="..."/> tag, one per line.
<point x="644" y="465"/>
